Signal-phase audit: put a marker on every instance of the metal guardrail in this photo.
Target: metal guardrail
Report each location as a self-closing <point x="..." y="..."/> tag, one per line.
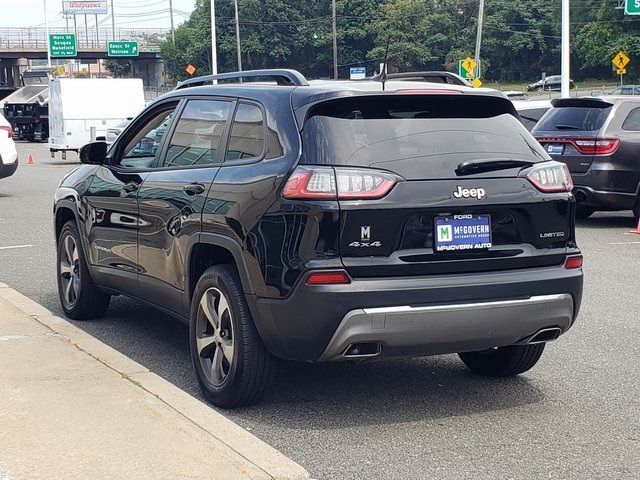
<point x="91" y="39"/>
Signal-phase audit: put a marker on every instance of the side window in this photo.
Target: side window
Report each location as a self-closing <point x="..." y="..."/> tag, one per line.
<point x="142" y="149"/>
<point x="247" y="134"/>
<point x="632" y="122"/>
<point x="196" y="138"/>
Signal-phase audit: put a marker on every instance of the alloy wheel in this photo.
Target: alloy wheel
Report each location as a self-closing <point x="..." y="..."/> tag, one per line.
<point x="215" y="336"/>
<point x="69" y="271"/>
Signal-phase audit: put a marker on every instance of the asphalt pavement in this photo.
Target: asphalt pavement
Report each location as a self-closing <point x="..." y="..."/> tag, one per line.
<point x="576" y="415"/>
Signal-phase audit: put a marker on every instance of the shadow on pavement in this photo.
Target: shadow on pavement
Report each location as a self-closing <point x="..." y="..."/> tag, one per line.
<point x="607" y="220"/>
<point x="323" y="396"/>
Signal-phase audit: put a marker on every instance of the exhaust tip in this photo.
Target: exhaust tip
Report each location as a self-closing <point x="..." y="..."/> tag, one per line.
<point x="545" y="335"/>
<point x="363" y="349"/>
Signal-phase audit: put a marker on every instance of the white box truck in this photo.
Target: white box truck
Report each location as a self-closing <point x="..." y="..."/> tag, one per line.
<point x="81" y="109"/>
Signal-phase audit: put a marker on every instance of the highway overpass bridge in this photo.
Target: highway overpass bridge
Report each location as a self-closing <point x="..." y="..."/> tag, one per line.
<point x="20" y="45"/>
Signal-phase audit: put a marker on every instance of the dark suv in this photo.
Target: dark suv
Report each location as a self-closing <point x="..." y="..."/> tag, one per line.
<point x="599" y="140"/>
<point x="321" y="223"/>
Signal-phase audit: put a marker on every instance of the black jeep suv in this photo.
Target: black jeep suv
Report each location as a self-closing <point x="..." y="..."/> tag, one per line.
<point x="325" y="222"/>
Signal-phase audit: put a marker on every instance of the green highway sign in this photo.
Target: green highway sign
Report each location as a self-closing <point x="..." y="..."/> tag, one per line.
<point x="123" y="49"/>
<point x="632" y="7"/>
<point x="62" y="45"/>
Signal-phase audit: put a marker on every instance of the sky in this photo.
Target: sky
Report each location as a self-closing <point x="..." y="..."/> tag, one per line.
<point x="129" y="13"/>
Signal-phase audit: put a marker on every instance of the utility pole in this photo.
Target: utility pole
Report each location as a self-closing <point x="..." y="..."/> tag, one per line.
<point x="335" y="39"/>
<point x="214" y="48"/>
<point x="479" y="32"/>
<point x="46" y="33"/>
<point x="173" y="30"/>
<point x="566" y="41"/>
<point x="113" y="22"/>
<point x="235" y="5"/>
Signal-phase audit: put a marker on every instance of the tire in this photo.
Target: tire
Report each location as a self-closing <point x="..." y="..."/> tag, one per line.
<point x="584" y="212"/>
<point x="232" y="365"/>
<point x="79" y="297"/>
<point x="503" y="361"/>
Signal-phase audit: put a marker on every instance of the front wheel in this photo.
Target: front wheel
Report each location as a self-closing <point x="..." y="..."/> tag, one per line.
<point x="503" y="361"/>
<point x="80" y="298"/>
<point x="232" y="365"/>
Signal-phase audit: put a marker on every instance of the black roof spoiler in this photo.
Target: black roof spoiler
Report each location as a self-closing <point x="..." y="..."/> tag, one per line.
<point x="282" y="76"/>
<point x="584" y="102"/>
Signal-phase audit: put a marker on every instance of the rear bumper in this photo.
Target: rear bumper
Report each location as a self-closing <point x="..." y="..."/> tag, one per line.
<point x="607" y="186"/>
<point x="422" y="315"/>
<point x="439" y="329"/>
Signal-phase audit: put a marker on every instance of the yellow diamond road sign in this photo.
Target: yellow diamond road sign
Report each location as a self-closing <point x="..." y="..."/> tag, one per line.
<point x="476" y="83"/>
<point x="620" y="60"/>
<point x="469" y="65"/>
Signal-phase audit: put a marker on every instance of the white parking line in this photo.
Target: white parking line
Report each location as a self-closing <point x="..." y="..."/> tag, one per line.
<point x="624" y="243"/>
<point x="16" y="246"/>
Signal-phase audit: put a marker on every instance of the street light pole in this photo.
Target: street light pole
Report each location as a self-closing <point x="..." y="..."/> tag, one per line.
<point x="173" y="30"/>
<point x="46" y="33"/>
<point x="235" y="5"/>
<point x="113" y="22"/>
<point x="335" y="39"/>
<point x="479" y="33"/>
<point x="214" y="49"/>
<point x="566" y="52"/>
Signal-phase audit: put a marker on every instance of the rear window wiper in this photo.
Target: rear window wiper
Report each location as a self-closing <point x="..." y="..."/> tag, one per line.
<point x="567" y="127"/>
<point x="490" y="165"/>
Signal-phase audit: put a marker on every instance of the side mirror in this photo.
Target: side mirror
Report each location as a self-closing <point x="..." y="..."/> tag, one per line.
<point x="94" y="153"/>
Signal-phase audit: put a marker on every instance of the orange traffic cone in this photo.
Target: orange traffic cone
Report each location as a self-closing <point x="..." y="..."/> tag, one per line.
<point x="637" y="230"/>
<point x="30" y="160"/>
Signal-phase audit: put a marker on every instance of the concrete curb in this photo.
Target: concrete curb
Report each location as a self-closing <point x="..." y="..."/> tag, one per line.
<point x="275" y="464"/>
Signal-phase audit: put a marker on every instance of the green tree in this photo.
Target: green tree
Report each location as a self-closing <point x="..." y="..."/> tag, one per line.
<point x="119" y="67"/>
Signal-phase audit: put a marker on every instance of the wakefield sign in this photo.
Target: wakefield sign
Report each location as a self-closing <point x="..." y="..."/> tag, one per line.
<point x="84" y="7"/>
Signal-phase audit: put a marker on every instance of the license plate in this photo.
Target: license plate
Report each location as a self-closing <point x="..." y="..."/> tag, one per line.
<point x="555" y="148"/>
<point x="462" y="232"/>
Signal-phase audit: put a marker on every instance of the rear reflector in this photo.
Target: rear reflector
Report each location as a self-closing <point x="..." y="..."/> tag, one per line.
<point x="336" y="277"/>
<point x="550" y="177"/>
<point x="573" y="262"/>
<point x="7" y="129"/>
<point x="317" y="183"/>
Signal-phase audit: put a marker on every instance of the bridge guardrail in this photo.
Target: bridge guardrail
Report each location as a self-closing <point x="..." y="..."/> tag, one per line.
<point x="35" y="38"/>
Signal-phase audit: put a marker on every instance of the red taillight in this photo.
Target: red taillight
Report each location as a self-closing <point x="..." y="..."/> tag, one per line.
<point x="336" y="277"/>
<point x="603" y="146"/>
<point x="587" y="146"/>
<point x="317" y="183"/>
<point x="550" y="177"/>
<point x="7" y="129"/>
<point x="573" y="262"/>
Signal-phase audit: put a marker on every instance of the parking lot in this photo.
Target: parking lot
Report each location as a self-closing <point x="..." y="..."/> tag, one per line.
<point x="576" y="415"/>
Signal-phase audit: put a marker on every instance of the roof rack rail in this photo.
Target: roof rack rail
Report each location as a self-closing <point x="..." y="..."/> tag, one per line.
<point x="426" y="76"/>
<point x="281" y="75"/>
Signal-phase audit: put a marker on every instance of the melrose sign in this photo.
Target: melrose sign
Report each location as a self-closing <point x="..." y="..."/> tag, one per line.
<point x="632" y="7"/>
<point x="84" y="7"/>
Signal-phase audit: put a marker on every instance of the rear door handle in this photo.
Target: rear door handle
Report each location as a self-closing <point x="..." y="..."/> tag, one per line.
<point x="193" y="189"/>
<point x="130" y="187"/>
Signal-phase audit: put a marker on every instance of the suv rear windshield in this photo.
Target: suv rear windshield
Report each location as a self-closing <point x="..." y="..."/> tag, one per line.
<point x="583" y="119"/>
<point x="416" y="136"/>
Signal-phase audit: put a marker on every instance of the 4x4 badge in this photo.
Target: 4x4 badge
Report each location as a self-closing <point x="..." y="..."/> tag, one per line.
<point x="477" y="193"/>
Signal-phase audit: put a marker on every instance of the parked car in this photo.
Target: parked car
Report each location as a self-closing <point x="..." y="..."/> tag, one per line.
<point x="113" y="132"/>
<point x="553" y="83"/>
<point x="599" y="140"/>
<point x="8" y="153"/>
<point x="531" y="111"/>
<point x="294" y="221"/>
<point x="627" y="90"/>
